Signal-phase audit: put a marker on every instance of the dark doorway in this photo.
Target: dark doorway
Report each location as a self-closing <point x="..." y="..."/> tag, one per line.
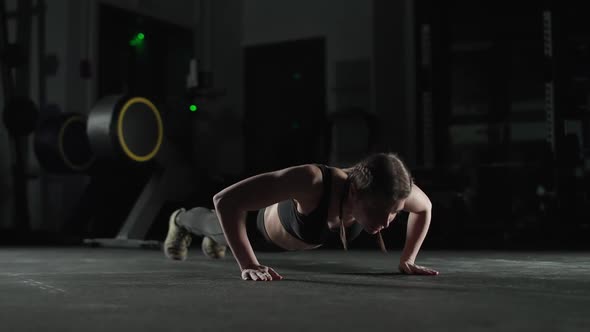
<point x="140" y="55"/>
<point x="285" y="104"/>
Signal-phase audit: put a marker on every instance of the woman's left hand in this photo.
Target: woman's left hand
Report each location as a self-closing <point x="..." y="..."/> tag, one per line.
<point x="407" y="267"/>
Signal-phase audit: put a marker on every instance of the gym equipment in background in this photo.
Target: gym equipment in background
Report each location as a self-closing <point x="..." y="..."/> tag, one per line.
<point x="61" y="144"/>
<point x="127" y="135"/>
<point x="133" y="169"/>
<point x="20" y="112"/>
<point x="125" y="129"/>
<point x="20" y="119"/>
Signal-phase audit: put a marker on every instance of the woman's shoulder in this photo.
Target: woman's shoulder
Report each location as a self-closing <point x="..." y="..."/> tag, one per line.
<point x="305" y="176"/>
<point x="314" y="175"/>
<point x="311" y="177"/>
<point x="312" y="172"/>
<point x="320" y="172"/>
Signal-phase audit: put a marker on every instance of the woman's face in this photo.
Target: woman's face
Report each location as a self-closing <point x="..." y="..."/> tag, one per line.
<point x="375" y="214"/>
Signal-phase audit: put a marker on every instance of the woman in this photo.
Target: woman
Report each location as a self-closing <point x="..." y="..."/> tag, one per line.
<point x="296" y="208"/>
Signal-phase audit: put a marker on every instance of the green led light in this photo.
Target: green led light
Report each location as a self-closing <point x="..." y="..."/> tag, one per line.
<point x="193" y="108"/>
<point x="137" y="40"/>
<point x="296" y="76"/>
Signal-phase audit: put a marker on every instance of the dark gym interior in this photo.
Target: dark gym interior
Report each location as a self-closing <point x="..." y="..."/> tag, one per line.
<point x="117" y="113"/>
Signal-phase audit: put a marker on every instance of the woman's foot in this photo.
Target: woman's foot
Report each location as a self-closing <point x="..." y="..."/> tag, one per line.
<point x="178" y="238"/>
<point x="213" y="249"/>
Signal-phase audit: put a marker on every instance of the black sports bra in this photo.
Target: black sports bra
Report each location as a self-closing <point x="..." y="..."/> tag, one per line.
<point x="312" y="228"/>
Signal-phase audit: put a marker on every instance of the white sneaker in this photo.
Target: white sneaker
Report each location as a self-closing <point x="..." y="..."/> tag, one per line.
<point x="213" y="249"/>
<point x="177" y="240"/>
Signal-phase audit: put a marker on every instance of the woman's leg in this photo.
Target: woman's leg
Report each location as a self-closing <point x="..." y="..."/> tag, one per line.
<point x="202" y="222"/>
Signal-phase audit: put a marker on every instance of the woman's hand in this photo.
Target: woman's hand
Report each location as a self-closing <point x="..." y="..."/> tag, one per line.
<point x="260" y="273"/>
<point x="407" y="267"/>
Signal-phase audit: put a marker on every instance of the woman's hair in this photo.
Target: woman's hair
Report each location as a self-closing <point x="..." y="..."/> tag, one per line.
<point x="381" y="176"/>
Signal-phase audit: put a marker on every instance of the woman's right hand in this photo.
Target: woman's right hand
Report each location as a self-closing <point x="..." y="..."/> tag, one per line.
<point x="260" y="273"/>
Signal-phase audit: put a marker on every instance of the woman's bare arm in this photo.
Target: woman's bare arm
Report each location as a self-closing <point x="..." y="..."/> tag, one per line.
<point x="256" y="192"/>
<point x="420" y="208"/>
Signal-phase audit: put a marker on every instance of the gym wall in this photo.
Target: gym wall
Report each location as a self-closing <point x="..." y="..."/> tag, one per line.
<point x="346" y="26"/>
<point x="360" y="36"/>
<point x="71" y="36"/>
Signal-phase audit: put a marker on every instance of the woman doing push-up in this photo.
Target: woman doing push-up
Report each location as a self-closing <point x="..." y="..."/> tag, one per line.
<point x="297" y="208"/>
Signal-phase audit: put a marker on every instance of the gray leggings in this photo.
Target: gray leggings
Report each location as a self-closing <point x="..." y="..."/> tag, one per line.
<point x="204" y="222"/>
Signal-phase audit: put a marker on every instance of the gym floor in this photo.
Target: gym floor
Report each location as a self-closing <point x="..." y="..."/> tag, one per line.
<point x="105" y="289"/>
